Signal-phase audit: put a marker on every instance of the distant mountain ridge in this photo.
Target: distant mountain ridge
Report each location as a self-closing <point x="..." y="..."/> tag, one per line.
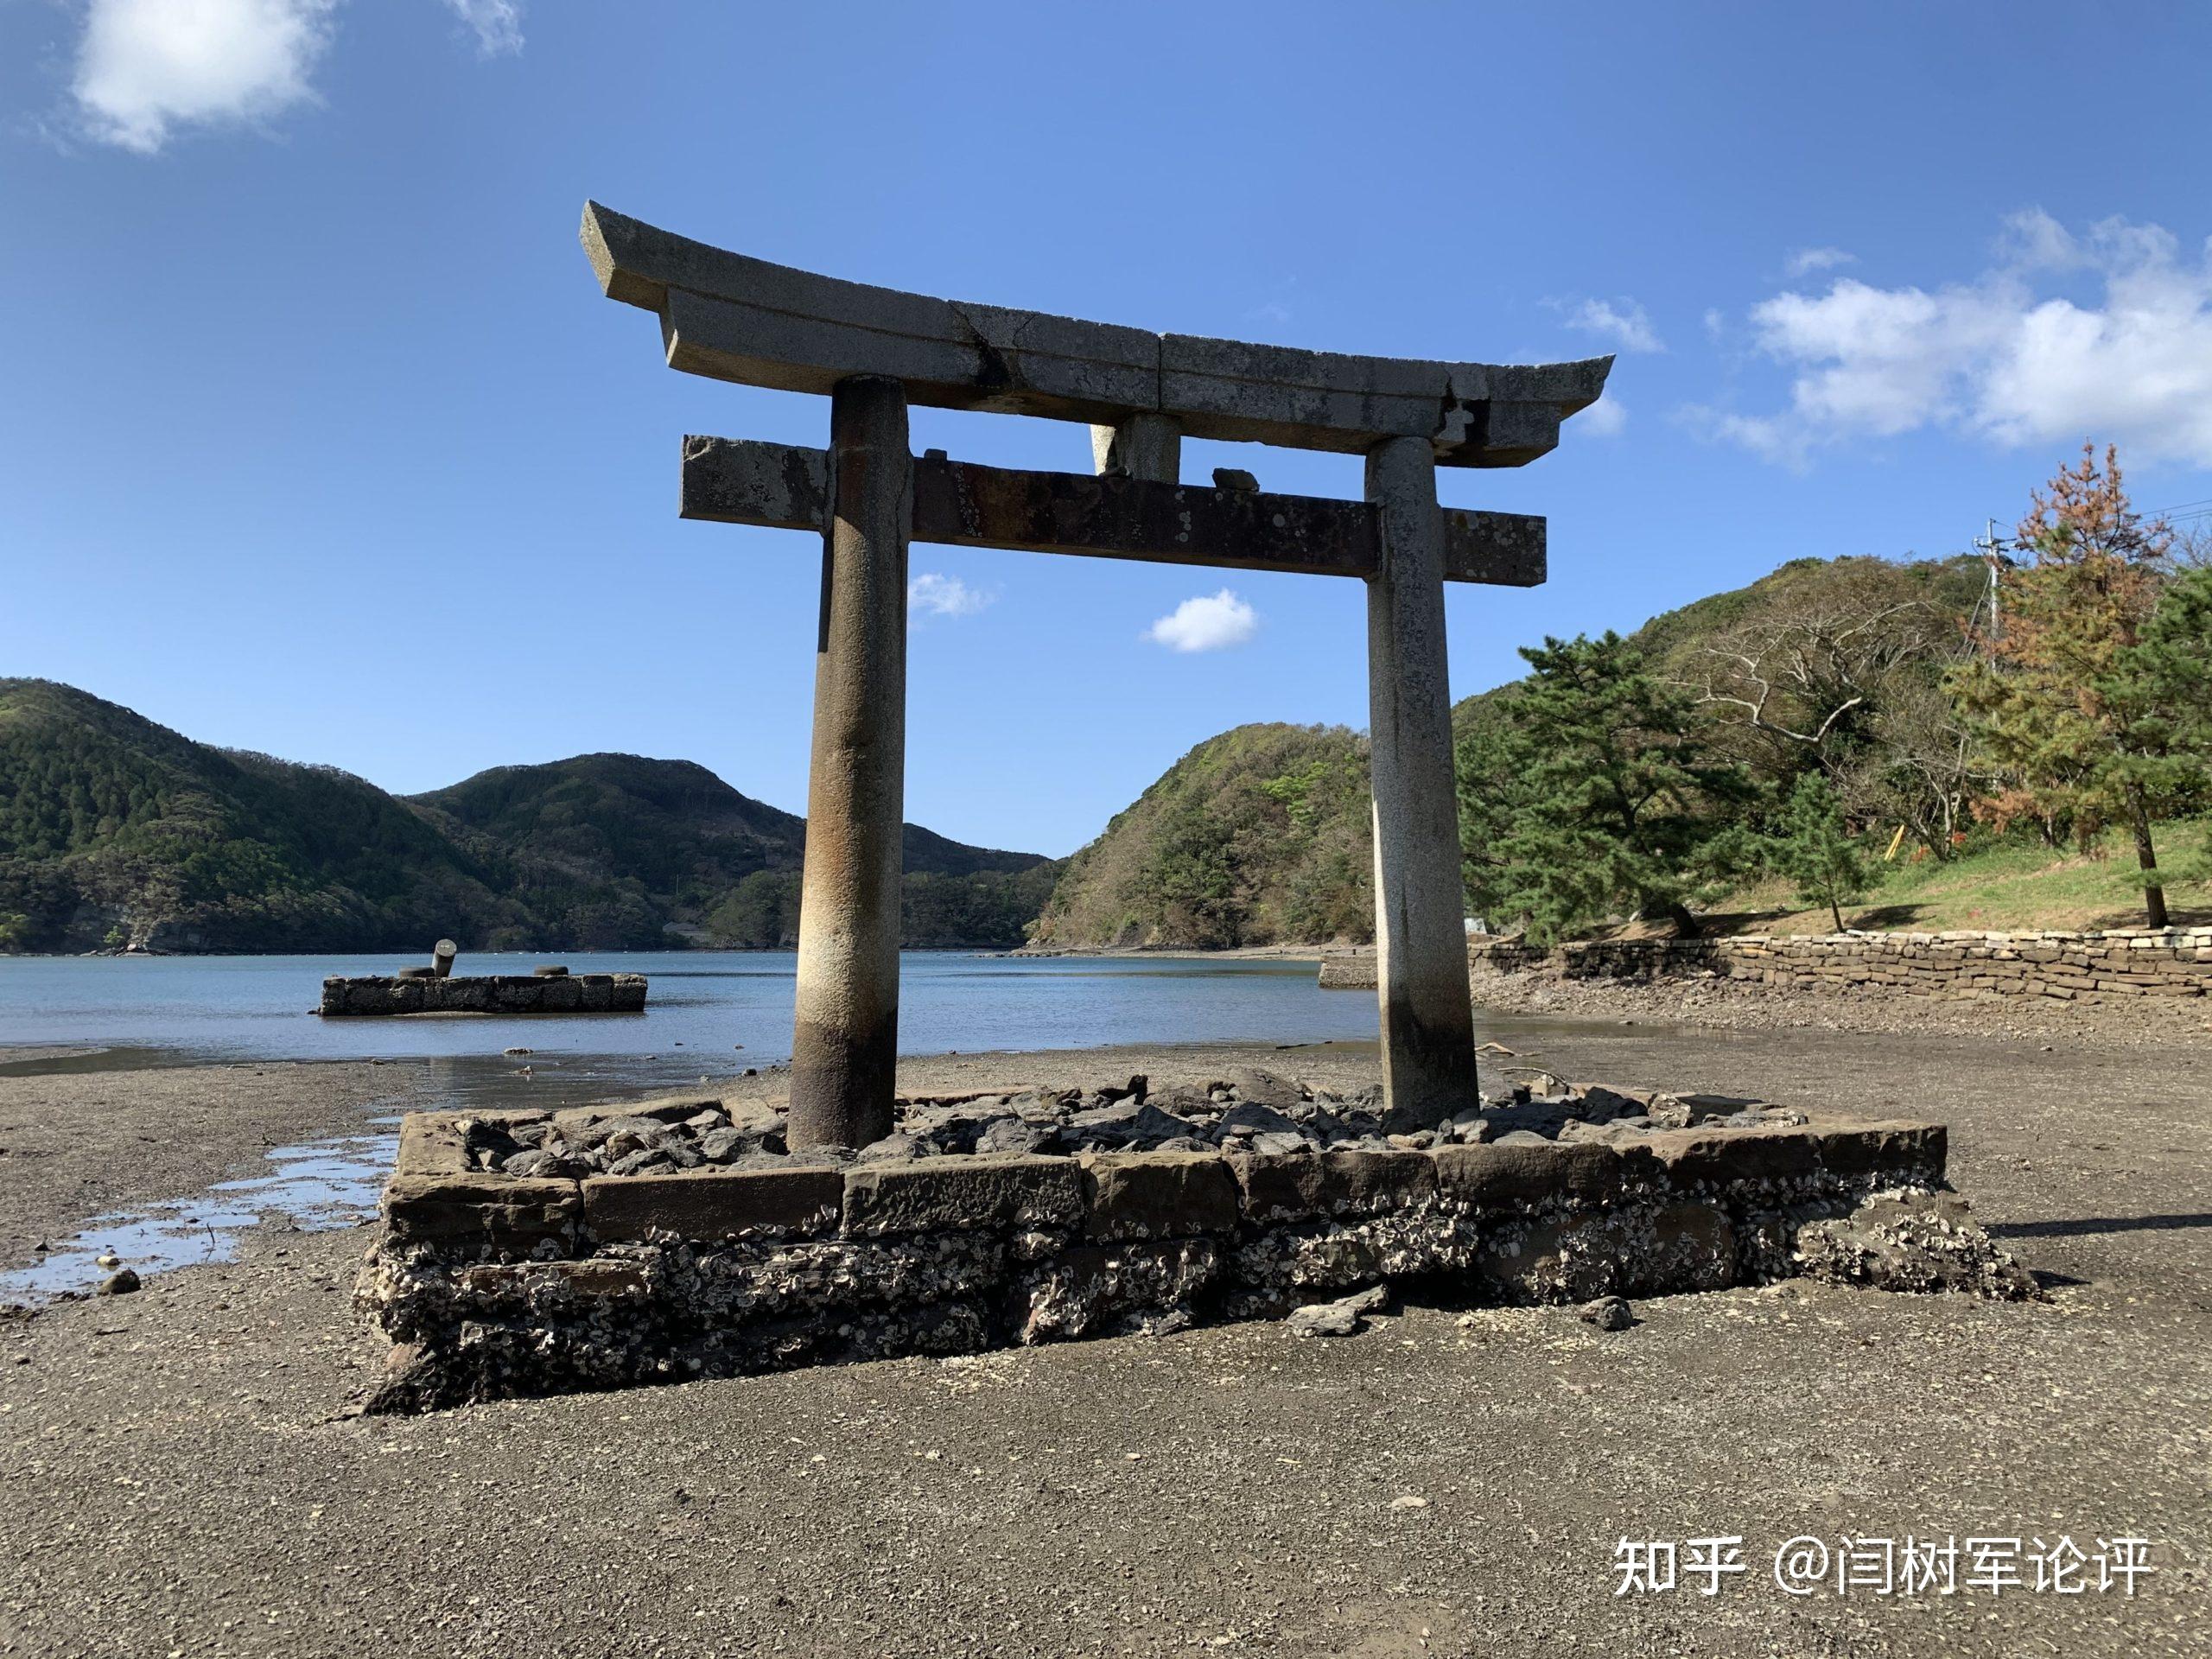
<point x="117" y="831"/>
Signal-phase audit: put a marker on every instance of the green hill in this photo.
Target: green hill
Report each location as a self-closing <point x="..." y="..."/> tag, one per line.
<point x="116" y="831"/>
<point x="1261" y="835"/>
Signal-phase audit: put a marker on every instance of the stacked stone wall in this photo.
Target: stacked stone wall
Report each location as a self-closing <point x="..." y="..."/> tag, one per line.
<point x="2065" y="967"/>
<point x="495" y="1284"/>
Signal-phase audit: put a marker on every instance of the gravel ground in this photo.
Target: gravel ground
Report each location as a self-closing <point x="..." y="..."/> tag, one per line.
<point x="181" y="1477"/>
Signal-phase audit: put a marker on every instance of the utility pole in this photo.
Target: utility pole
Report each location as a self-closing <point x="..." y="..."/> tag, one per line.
<point x="1993" y="549"/>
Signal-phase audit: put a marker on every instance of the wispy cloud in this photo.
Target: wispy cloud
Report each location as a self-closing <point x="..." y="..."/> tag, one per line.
<point x="2001" y="357"/>
<point x="498" y="24"/>
<point x="147" y="67"/>
<point x="942" y="595"/>
<point x="1624" y="324"/>
<point x="1806" y="261"/>
<point x="1603" y="419"/>
<point x="1209" y="622"/>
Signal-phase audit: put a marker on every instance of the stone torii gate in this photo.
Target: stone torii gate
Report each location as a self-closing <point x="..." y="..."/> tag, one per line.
<point x="872" y="352"/>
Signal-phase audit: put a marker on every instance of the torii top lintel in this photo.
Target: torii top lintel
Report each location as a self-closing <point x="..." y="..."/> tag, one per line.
<point x="736" y="318"/>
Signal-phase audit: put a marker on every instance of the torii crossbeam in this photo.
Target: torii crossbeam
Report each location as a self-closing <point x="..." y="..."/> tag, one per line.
<point x="874" y="350"/>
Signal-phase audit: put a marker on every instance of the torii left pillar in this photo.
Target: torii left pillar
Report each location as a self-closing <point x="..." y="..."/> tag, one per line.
<point x="845" y="1039"/>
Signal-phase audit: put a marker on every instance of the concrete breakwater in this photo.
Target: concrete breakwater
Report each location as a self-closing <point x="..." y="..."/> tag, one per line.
<point x="2085" y="966"/>
<point x="486" y="993"/>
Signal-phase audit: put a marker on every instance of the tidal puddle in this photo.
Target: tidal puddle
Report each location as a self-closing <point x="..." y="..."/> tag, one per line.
<point x="314" y="1187"/>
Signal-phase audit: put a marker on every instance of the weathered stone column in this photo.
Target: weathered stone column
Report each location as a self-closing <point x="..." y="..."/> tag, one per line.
<point x="845" y="1042"/>
<point x="1428" y="1039"/>
<point x="1146" y="446"/>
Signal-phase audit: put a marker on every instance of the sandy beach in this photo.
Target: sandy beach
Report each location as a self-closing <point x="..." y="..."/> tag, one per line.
<point x="184" y="1478"/>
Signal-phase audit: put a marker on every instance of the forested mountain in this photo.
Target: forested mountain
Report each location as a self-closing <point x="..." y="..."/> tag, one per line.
<point x="1831" y="712"/>
<point x="1263" y="835"/>
<point x="114" y="830"/>
<point x="1258" y="836"/>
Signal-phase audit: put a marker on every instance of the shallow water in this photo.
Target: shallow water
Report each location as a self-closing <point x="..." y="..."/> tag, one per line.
<point x="325" y="1184"/>
<point x="720" y="1008"/>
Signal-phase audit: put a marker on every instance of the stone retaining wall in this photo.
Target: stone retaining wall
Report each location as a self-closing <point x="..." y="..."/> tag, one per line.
<point x="487" y="994"/>
<point x="2090" y="967"/>
<point x="494" y="1284"/>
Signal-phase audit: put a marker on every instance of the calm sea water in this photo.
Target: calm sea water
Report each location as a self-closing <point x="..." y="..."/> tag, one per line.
<point x="719" y="1008"/>
<point x="708" y="1014"/>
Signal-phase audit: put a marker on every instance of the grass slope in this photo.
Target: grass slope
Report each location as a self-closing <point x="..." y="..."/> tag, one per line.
<point x="2011" y="886"/>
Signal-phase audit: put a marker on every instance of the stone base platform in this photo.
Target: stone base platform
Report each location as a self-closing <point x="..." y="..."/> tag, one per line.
<point x="486" y="994"/>
<point x="493" y="1283"/>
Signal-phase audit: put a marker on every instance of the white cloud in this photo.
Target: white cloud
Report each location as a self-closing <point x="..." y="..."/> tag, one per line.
<point x="146" y="69"/>
<point x="1624" y="324"/>
<point x="942" y="595"/>
<point x="147" y="66"/>
<point x="1603" y="419"/>
<point x="1209" y="622"/>
<point x="1806" y="261"/>
<point x="2001" y="357"/>
<point x="498" y="24"/>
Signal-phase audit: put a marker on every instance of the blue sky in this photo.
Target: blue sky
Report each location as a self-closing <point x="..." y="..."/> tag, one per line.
<point x="317" y="438"/>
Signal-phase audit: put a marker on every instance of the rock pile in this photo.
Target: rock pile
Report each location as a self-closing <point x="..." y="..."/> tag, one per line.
<point x="1250" y="1110"/>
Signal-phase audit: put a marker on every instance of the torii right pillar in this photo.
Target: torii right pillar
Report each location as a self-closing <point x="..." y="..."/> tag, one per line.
<point x="1420" y="933"/>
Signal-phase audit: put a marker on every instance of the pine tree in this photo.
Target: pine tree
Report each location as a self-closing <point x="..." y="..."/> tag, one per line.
<point x="2161" y="686"/>
<point x="2059" y="699"/>
<point x="1813" y="848"/>
<point x="1604" y="799"/>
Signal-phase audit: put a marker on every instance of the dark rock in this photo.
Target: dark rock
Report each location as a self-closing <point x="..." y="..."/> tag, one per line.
<point x="550" y="970"/>
<point x="121" y="1283"/>
<point x="606" y="1129"/>
<point x="1345" y="1317"/>
<point x="1180" y="1099"/>
<point x="1265" y="1089"/>
<point x="1913" y="1240"/>
<point x="720" y="1145"/>
<point x="1609" y="1313"/>
<point x="1255" y="1117"/>
<point x="1012" y="1134"/>
<point x="894" y="1149"/>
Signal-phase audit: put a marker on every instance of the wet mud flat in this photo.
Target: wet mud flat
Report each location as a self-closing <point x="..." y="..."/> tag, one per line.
<point x="183" y="1473"/>
<point x="82" y="1137"/>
